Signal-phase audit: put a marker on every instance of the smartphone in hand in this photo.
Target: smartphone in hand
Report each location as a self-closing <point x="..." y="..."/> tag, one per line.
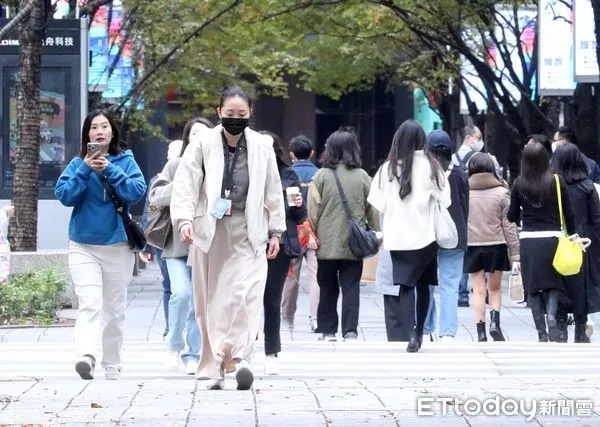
<point x="93" y="147"/>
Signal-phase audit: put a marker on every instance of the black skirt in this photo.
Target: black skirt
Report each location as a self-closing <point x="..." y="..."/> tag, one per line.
<point x="487" y="258"/>
<point x="537" y="272"/>
<point x="418" y="267"/>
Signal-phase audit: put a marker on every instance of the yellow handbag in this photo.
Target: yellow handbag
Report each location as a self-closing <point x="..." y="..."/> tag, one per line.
<point x="568" y="258"/>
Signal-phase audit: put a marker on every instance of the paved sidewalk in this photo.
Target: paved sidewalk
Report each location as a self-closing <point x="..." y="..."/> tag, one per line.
<point x="322" y="384"/>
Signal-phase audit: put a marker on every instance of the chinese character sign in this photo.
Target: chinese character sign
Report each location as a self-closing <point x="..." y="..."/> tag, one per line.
<point x="555" y="47"/>
<point x="586" y="64"/>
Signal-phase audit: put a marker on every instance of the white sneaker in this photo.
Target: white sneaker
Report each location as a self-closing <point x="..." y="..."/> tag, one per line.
<point x="313" y="325"/>
<point x="447" y="339"/>
<point x="244" y="375"/>
<point x="85" y="367"/>
<point x="172" y="360"/>
<point x="112" y="373"/>
<point x="191" y="367"/>
<point x="271" y="365"/>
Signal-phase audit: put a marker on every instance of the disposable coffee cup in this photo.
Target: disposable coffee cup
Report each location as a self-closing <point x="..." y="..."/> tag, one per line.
<point x="292" y="193"/>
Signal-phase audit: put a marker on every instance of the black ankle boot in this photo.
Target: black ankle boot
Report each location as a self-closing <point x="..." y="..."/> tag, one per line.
<point x="415" y="342"/>
<point x="562" y="324"/>
<point x="580" y="335"/>
<point x="553" y="331"/>
<point x="495" y="330"/>
<point x="481" y="332"/>
<point x="538" y="308"/>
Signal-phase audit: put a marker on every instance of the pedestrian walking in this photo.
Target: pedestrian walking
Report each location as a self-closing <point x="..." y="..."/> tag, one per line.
<point x="534" y="203"/>
<point x="295" y="213"/>
<point x="183" y="339"/>
<point x="151" y="253"/>
<point x="493" y="242"/>
<point x="227" y="200"/>
<point x="406" y="191"/>
<point x="301" y="151"/>
<point x="100" y="258"/>
<point x="337" y="265"/>
<point x="450" y="261"/>
<point x="583" y="289"/>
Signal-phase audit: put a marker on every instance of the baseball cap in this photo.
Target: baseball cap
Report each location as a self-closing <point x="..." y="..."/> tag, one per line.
<point x="439" y="138"/>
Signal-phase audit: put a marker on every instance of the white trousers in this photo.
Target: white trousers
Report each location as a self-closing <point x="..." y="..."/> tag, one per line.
<point x="101" y="274"/>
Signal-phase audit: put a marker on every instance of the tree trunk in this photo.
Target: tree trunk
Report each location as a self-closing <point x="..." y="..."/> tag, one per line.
<point x="585" y="118"/>
<point x="23" y="230"/>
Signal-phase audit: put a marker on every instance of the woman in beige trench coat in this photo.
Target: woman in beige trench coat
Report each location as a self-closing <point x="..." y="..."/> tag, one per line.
<point x="228" y="201"/>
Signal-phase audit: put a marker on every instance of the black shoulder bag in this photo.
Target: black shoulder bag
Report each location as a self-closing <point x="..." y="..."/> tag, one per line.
<point x="363" y="241"/>
<point x="135" y="235"/>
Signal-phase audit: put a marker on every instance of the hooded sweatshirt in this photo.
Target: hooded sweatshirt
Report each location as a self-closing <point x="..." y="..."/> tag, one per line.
<point x="94" y="219"/>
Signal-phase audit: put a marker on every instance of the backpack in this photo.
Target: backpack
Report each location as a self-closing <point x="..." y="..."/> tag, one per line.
<point x="464" y="162"/>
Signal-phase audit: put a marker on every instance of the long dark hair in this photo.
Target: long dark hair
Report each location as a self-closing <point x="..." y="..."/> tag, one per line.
<point x="568" y="162"/>
<point x="342" y="147"/>
<point x="409" y="138"/>
<point x="115" y="147"/>
<point x="536" y="181"/>
<point x="188" y="128"/>
<point x="542" y="139"/>
<point x="280" y="153"/>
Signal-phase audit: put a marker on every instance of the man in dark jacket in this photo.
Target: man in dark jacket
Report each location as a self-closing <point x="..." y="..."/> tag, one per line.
<point x="450" y="261"/>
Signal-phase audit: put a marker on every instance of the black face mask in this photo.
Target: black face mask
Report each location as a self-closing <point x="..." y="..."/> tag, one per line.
<point x="234" y="126"/>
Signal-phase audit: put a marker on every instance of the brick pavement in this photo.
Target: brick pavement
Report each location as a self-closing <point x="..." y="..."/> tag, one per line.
<point x="337" y="384"/>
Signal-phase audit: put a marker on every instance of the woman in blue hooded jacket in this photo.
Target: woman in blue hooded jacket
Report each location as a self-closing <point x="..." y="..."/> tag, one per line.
<point x="100" y="259"/>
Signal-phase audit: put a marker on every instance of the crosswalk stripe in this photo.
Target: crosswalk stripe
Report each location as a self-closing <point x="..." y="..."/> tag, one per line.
<point x="311" y="359"/>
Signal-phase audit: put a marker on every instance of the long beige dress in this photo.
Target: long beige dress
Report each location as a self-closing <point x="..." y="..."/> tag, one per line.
<point x="228" y="257"/>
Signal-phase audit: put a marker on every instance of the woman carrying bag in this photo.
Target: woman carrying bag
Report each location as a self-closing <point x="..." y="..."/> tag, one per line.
<point x="583" y="289"/>
<point x="409" y="189"/>
<point x="183" y="339"/>
<point x="100" y="256"/>
<point x="493" y="242"/>
<point x="338" y="267"/>
<point x="535" y="201"/>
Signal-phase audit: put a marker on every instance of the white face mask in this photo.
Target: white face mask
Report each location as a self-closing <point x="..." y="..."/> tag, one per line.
<point x="477" y="146"/>
<point x="554" y="145"/>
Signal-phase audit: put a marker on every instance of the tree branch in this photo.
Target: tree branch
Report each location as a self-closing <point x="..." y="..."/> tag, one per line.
<point x="165" y="59"/>
<point x="23" y="14"/>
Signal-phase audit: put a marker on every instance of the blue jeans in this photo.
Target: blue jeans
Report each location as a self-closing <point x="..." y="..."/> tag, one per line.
<point x="429" y="327"/>
<point x="450" y="262"/>
<point x="166" y="284"/>
<point x="182" y="315"/>
<point x="463" y="289"/>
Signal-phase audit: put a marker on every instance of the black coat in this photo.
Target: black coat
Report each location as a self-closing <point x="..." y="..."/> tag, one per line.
<point x="584" y="289"/>
<point x="459" y="208"/>
<point x="293" y="215"/>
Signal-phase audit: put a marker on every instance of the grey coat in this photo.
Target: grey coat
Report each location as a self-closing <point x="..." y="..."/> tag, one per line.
<point x="160" y="195"/>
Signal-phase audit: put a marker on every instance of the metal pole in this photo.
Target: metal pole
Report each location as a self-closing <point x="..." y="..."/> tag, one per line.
<point x="77" y="9"/>
<point x="84" y="67"/>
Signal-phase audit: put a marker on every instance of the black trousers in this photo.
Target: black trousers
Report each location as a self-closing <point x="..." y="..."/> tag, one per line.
<point x="276" y="275"/>
<point x="331" y="275"/>
<point x="400" y="312"/>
